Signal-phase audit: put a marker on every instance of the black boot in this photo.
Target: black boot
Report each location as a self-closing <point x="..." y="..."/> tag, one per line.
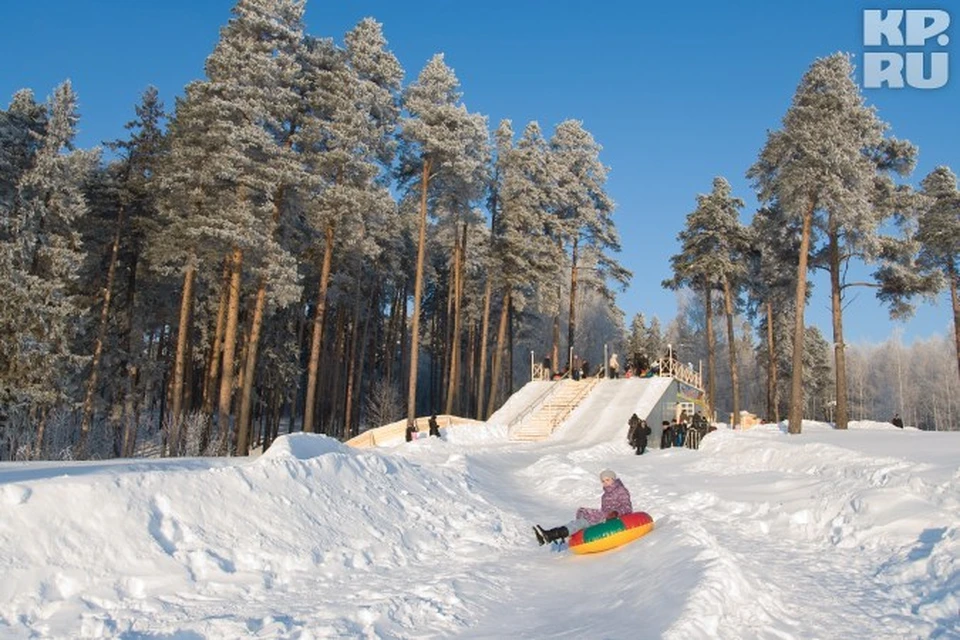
<point x="556" y="534"/>
<point x="537" y="531"/>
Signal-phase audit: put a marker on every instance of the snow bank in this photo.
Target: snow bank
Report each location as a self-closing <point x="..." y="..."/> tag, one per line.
<point x="759" y="534"/>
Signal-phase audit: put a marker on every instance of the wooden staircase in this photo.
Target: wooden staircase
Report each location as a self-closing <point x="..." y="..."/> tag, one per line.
<point x="539" y="423"/>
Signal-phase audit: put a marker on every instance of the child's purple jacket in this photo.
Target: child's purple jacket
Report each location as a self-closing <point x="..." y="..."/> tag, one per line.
<point x="616" y="497"/>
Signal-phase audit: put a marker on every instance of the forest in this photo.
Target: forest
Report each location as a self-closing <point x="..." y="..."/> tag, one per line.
<point x="305" y="243"/>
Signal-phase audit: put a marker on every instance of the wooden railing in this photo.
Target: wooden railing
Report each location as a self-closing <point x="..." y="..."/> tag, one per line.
<point x="548" y="415"/>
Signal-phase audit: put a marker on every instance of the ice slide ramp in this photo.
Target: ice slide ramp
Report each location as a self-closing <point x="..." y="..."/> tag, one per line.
<point x="602" y="416"/>
<point x="587" y="411"/>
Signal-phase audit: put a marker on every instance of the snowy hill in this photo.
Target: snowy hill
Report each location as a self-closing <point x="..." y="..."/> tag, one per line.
<point x="759" y="535"/>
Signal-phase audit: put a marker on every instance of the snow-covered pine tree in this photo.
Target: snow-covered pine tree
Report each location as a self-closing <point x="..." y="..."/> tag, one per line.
<point x="140" y="158"/>
<point x="522" y="257"/>
<point x="712" y="248"/>
<point x="440" y="140"/>
<point x="823" y="167"/>
<point x="771" y="284"/>
<point x="637" y="341"/>
<point x="583" y="211"/>
<point x="231" y="160"/>
<point x="126" y="204"/>
<point x="40" y="257"/>
<point x="926" y="259"/>
<point x="346" y="143"/>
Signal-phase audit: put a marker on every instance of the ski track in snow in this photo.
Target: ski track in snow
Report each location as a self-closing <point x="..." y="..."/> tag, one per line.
<point x="758" y="535"/>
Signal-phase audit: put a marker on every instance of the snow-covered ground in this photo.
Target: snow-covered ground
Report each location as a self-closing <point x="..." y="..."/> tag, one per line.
<point x="759" y="535"/>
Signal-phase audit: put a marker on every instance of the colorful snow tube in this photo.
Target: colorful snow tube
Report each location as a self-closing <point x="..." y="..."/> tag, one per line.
<point x="612" y="533"/>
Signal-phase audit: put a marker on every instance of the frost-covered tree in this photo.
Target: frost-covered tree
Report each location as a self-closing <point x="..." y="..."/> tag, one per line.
<point x="927" y="259"/>
<point x="713" y="244"/>
<point x="441" y="140"/>
<point x="40" y="258"/>
<point x="351" y="95"/>
<point x="126" y="207"/>
<point x="770" y="286"/>
<point x="521" y="252"/>
<point x="823" y="168"/>
<point x="233" y="132"/>
<point x="583" y="212"/>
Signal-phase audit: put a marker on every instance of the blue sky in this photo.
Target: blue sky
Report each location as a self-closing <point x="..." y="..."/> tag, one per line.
<point x="675" y="93"/>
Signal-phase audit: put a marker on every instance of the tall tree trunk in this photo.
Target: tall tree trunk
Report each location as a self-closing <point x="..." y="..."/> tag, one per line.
<point x="732" y="341"/>
<point x="229" y="352"/>
<point x="954" y="279"/>
<point x="41" y="433"/>
<point x="470" y="369"/>
<point x="446" y="384"/>
<point x="417" y="292"/>
<point x="510" y="347"/>
<point x="365" y="341"/>
<point x="352" y="361"/>
<point x="799" y="329"/>
<point x="393" y="337"/>
<point x="180" y="359"/>
<point x="249" y="370"/>
<point x="453" y="383"/>
<point x="316" y="336"/>
<point x="216" y="347"/>
<point x="484" y="332"/>
<point x="332" y="405"/>
<point x="773" y="405"/>
<point x="107" y="292"/>
<point x="572" y="326"/>
<point x="131" y="409"/>
<point x="711" y="353"/>
<point x="836" y="305"/>
<point x="498" y="354"/>
<point x="555" y="350"/>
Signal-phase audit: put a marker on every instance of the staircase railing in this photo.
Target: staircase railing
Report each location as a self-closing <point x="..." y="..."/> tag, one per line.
<point x="533" y="406"/>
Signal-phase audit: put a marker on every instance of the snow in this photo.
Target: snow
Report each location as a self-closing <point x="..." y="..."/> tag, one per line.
<point x="759" y="534"/>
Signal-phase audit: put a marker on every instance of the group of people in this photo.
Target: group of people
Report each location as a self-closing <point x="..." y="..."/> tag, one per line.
<point x="433" y="426"/>
<point x="676" y="434"/>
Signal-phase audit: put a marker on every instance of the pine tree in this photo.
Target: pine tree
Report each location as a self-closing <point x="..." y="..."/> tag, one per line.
<point x="822" y="168"/>
<point x="231" y="160"/>
<point x="927" y="259"/>
<point x="442" y="140"/>
<point x="347" y="138"/>
<point x="583" y="211"/>
<point x="521" y="251"/>
<point x="128" y="202"/>
<point x="771" y="282"/>
<point x="40" y="258"/>
<point x="711" y="257"/>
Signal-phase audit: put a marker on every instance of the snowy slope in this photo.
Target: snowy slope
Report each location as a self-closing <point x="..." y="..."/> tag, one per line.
<point x="759" y="535"/>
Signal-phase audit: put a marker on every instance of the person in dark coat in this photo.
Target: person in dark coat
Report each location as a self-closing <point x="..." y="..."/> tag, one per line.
<point x="638" y="434"/>
<point x="897" y="422"/>
<point x="666" y="438"/>
<point x="614" y="503"/>
<point x="434" y="426"/>
<point x="412" y="432"/>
